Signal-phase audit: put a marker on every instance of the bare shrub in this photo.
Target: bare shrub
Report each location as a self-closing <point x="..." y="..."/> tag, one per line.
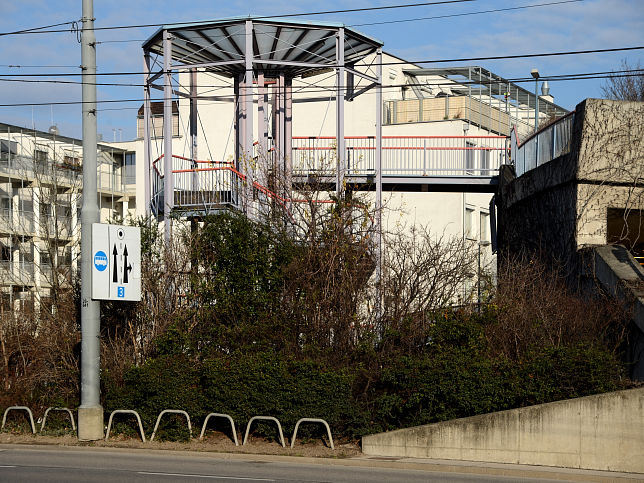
<point x="129" y="329"/>
<point x="422" y="273"/>
<point x="536" y="308"/>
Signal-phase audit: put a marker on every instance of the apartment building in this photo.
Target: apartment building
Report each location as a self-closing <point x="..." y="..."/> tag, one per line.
<point x="40" y="202"/>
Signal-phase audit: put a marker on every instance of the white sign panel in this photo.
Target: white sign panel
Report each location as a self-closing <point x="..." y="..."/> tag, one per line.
<point x="116" y="262"/>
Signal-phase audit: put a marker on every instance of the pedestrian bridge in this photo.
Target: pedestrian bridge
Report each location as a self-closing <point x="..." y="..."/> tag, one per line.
<point x="432" y="163"/>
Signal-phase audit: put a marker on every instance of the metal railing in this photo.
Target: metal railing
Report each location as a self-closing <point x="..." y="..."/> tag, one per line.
<point x="18" y="273"/>
<point x="403" y="155"/>
<point x="196" y="183"/>
<point x="27" y="166"/>
<point x="545" y="145"/>
<point x="59" y="227"/>
<point x="49" y="172"/>
<point x="17" y="221"/>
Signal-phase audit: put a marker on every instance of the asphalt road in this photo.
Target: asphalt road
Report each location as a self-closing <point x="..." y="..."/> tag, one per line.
<point x="50" y="464"/>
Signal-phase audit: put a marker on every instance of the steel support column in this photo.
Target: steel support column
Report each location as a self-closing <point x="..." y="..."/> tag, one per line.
<point x="280" y="126"/>
<point x="168" y="185"/>
<point x="193" y="129"/>
<point x="378" y="163"/>
<point x="339" y="110"/>
<point x="146" y="134"/>
<point x="288" y="136"/>
<point x="237" y="122"/>
<point x="248" y="117"/>
<point x="262" y="131"/>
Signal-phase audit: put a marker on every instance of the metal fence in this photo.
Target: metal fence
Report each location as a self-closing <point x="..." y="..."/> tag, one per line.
<point x="547" y="144"/>
<point x="197" y="184"/>
<point x="403" y="155"/>
<point x="19" y="221"/>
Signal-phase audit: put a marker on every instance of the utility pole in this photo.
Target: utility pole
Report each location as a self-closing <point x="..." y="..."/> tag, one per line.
<point x="90" y="412"/>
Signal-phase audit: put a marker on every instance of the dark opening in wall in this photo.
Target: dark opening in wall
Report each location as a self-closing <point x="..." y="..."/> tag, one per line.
<point x="626" y="227"/>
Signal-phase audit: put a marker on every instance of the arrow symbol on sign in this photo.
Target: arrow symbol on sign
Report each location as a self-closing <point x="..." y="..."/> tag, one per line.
<point x="128" y="268"/>
<point x="115" y="276"/>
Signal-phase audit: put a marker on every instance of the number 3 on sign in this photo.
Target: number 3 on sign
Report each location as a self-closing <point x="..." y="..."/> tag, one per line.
<point x="120" y="292"/>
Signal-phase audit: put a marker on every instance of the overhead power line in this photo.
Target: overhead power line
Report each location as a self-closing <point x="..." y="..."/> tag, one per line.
<point x="37" y="30"/>
<point x="332" y="89"/>
<point x="40" y="30"/>
<point x="573" y="76"/>
<point x="464" y="14"/>
<point x="401" y="62"/>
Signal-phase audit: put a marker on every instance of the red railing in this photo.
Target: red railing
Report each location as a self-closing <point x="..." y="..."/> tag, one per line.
<point x="199" y="182"/>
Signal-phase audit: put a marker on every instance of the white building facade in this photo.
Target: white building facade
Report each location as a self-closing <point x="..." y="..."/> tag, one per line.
<point x="40" y="201"/>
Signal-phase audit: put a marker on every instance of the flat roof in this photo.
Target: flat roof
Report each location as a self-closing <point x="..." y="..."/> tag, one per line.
<point x="479" y="78"/>
<point x="290" y="44"/>
<point x="10" y="128"/>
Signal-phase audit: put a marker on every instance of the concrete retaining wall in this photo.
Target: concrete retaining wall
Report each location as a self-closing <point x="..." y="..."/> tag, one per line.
<point x="603" y="432"/>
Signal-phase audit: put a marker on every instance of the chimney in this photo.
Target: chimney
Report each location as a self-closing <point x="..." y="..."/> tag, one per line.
<point x="545" y="92"/>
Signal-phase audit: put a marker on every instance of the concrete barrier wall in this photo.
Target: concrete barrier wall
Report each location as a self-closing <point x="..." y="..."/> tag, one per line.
<point x="603" y="432"/>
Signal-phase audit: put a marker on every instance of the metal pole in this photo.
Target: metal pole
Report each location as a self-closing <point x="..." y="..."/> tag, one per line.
<point x="479" y="279"/>
<point x="379" y="181"/>
<point x="339" y="102"/>
<point x="536" y="104"/>
<point x="288" y="135"/>
<point x="90" y="412"/>
<point x="146" y="134"/>
<point x="262" y="131"/>
<point x="168" y="183"/>
<point x="248" y="119"/>
<point x="193" y="130"/>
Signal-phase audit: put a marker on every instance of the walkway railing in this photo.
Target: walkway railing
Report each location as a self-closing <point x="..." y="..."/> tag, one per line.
<point x="403" y="155"/>
<point x="199" y="184"/>
<point x="545" y="145"/>
<point x="196" y="183"/>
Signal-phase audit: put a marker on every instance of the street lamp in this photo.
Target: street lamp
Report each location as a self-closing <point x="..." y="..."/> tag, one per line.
<point x="535" y="74"/>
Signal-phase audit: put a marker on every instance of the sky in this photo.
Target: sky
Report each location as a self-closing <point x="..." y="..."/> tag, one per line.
<point x="407" y="32"/>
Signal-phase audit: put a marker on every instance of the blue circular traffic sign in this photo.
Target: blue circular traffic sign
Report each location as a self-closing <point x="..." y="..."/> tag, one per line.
<point x="100" y="260"/>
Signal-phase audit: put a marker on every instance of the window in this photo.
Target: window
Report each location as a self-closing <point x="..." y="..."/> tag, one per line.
<point x="5" y="252"/>
<point x="484" y="232"/>
<point x="485" y="162"/>
<point x="45" y="210"/>
<point x="469" y="157"/>
<point x="469" y="223"/>
<point x="72" y="160"/>
<point x="130" y="168"/>
<point x="7" y="148"/>
<point x="40" y="156"/>
<point x="45" y="259"/>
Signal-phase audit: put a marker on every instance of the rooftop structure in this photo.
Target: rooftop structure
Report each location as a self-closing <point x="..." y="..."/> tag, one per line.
<point x="262" y="56"/>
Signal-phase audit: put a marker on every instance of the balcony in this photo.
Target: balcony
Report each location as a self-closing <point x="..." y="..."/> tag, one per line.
<point x="16" y="222"/>
<point x="450" y="108"/>
<point x="16" y="273"/>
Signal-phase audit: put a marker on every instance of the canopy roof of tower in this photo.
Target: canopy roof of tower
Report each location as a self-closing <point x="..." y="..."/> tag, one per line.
<point x="293" y="48"/>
